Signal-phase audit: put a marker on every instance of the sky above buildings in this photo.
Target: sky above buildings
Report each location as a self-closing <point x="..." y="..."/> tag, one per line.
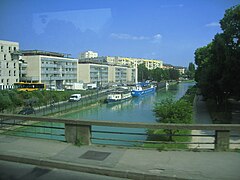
<point x="168" y="30"/>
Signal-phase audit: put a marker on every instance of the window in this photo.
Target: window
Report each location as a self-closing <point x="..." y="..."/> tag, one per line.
<point x="14" y="73"/>
<point x="14" y="65"/>
<point x="7" y="65"/>
<point x="15" y="48"/>
<point x="1" y="48"/>
<point x="5" y="57"/>
<point x="9" y="73"/>
<point x="9" y="49"/>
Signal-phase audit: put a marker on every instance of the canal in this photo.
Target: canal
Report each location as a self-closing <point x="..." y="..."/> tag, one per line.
<point x="138" y="109"/>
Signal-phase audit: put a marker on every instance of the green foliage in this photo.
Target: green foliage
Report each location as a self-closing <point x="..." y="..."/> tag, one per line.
<point x="190" y="94"/>
<point x="159" y="135"/>
<point x="5" y="101"/>
<point x="218" y="68"/>
<point x="143" y="73"/>
<point x="12" y="99"/>
<point x="157" y="74"/>
<point x="169" y="111"/>
<point x="191" y="71"/>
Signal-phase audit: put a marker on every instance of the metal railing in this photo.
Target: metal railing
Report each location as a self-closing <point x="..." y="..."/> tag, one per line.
<point x="88" y="132"/>
<point x="52" y="107"/>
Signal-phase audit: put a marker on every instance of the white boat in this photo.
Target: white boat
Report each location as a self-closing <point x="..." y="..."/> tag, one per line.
<point x="118" y="95"/>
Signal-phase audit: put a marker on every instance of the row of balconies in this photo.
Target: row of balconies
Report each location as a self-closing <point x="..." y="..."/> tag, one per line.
<point x="58" y="72"/>
<point x="54" y="78"/>
<point x="58" y="66"/>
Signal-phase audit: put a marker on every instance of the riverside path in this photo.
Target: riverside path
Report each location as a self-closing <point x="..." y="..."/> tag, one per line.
<point x="202" y="116"/>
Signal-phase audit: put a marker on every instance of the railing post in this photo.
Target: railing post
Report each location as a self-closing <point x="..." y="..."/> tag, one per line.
<point x="78" y="134"/>
<point x="222" y="138"/>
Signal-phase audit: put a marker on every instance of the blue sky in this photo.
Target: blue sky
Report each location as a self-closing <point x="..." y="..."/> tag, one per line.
<point x="169" y="30"/>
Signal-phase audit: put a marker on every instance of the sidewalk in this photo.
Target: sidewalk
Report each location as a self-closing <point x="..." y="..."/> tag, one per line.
<point x="122" y="162"/>
<point x="202" y="116"/>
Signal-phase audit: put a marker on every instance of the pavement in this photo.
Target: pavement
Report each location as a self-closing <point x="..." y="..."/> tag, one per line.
<point x="202" y="116"/>
<point x="121" y="162"/>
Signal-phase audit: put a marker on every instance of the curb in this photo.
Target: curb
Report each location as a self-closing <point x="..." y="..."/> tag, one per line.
<point x="87" y="169"/>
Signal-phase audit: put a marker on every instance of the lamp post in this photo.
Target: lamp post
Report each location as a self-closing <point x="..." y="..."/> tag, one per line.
<point x="51" y="99"/>
<point x="51" y="81"/>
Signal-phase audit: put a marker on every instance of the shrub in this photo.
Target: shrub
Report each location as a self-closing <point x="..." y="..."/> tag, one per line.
<point x="169" y="111"/>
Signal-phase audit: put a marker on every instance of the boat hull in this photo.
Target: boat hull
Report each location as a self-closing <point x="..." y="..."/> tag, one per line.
<point x="136" y="93"/>
<point x="118" y="100"/>
<point x="118" y="96"/>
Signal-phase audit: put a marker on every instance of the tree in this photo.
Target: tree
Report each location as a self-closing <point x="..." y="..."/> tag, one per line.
<point x="218" y="68"/>
<point x="143" y="73"/>
<point x="5" y="102"/>
<point x="191" y="71"/>
<point x="169" y="111"/>
<point x="174" y="74"/>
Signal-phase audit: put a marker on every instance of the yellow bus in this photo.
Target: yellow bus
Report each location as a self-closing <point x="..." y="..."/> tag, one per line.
<point x="25" y="86"/>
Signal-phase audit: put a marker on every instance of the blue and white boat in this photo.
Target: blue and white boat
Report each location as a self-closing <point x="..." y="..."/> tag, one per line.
<point x="118" y="95"/>
<point x="140" y="90"/>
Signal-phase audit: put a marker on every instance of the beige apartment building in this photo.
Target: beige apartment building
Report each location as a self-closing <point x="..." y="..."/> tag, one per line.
<point x="149" y="63"/>
<point x="9" y="69"/>
<point x="125" y="61"/>
<point x="104" y="74"/>
<point x="53" y="69"/>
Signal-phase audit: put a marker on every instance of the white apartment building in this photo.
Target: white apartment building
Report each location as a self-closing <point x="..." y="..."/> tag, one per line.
<point x="53" y="69"/>
<point x="104" y="74"/>
<point x="9" y="69"/>
<point x="133" y="62"/>
<point x="125" y="61"/>
<point x="88" y="54"/>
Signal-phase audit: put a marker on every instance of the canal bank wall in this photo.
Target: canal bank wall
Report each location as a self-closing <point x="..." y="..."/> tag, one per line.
<point x="66" y="106"/>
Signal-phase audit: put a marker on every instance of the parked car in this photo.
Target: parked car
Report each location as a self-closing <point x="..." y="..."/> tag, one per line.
<point x="27" y="111"/>
<point x="75" y="97"/>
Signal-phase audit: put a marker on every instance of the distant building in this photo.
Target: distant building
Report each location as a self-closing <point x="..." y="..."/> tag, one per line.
<point x="125" y="61"/>
<point x="181" y="69"/>
<point x="167" y="66"/>
<point x="51" y="68"/>
<point x="9" y="69"/>
<point x="88" y="54"/>
<point x="104" y="74"/>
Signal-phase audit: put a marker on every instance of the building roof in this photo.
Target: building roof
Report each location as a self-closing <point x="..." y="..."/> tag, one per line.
<point x="44" y="53"/>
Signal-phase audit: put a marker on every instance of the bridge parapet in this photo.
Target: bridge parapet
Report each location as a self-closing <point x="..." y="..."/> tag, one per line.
<point x="80" y="131"/>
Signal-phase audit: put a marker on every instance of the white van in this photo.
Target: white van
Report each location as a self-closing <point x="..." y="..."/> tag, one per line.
<point x="75" y="97"/>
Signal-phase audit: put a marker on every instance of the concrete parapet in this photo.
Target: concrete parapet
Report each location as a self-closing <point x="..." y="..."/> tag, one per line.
<point x="78" y="134"/>
<point x="222" y="140"/>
